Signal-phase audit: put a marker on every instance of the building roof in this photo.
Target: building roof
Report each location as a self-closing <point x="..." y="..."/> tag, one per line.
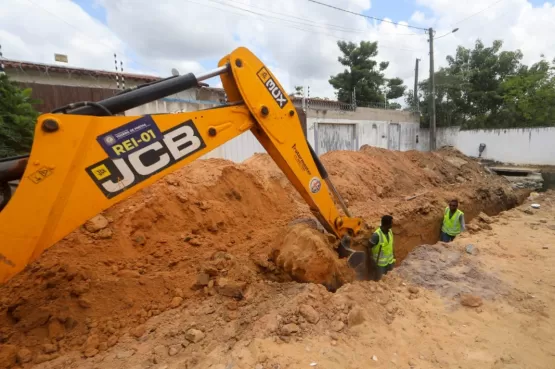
<point x="24" y="65"/>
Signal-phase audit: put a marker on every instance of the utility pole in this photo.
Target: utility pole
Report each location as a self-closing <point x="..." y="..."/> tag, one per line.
<point x="416" y="103"/>
<point x="432" y="93"/>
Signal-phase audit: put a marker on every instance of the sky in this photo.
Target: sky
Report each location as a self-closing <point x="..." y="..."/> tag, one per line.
<point x="296" y="39"/>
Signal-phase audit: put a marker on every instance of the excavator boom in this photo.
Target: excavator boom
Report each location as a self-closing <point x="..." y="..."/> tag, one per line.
<point x="85" y="159"/>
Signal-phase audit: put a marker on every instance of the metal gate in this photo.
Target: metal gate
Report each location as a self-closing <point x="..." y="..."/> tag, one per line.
<point x="394" y="136"/>
<point x="331" y="137"/>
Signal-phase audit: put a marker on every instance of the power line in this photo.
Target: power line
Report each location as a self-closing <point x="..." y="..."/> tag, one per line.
<point x="367" y="16"/>
<point x="310" y="23"/>
<point x="339" y="28"/>
<point x="304" y="23"/>
<point x="293" y="26"/>
<point x="479" y="12"/>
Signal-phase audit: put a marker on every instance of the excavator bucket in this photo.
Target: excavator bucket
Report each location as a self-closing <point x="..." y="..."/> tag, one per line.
<point x="307" y="253"/>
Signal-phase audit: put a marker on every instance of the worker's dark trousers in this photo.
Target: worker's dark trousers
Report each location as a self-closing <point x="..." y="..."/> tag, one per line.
<point x="444" y="237"/>
<point x="383" y="270"/>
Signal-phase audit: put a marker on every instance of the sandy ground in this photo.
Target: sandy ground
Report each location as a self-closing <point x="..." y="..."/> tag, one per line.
<point x="181" y="276"/>
<point x="443" y="308"/>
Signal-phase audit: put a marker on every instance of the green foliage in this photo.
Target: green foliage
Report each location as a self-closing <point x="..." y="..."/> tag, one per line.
<point x="489" y="88"/>
<point x="17" y="118"/>
<point x="299" y="91"/>
<point x="364" y="75"/>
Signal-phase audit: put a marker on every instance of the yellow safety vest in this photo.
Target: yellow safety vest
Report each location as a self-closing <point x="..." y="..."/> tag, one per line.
<point x="386" y="256"/>
<point x="452" y="226"/>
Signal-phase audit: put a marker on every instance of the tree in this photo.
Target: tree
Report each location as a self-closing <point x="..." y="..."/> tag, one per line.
<point x="529" y="97"/>
<point x="299" y="90"/>
<point x="17" y="118"/>
<point x="364" y="75"/>
<point x="489" y="88"/>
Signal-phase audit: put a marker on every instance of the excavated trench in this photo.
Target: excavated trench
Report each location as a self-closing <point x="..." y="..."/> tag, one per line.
<point x="412" y="230"/>
<point x="305" y="254"/>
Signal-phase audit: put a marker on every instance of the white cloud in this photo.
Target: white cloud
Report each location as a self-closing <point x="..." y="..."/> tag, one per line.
<point x="34" y="31"/>
<point x="297" y="39"/>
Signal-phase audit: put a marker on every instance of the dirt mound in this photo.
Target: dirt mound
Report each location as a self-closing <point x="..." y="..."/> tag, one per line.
<point x="208" y="230"/>
<point x="307" y="255"/>
<point x="221" y="332"/>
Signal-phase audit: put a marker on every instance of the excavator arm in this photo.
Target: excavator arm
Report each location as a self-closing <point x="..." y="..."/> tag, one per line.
<point x="87" y="159"/>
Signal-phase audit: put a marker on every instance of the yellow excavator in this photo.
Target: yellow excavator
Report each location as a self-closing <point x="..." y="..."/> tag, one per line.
<point x="86" y="157"/>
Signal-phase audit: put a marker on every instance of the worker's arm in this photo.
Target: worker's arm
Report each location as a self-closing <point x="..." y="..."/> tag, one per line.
<point x="82" y="163"/>
<point x="374" y="240"/>
<point x="463" y="225"/>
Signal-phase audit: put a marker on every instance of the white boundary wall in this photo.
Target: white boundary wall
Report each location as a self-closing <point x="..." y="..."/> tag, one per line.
<point x="517" y="146"/>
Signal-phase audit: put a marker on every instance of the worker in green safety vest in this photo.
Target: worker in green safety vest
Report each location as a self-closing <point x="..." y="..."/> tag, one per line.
<point x="381" y="246"/>
<point x="452" y="223"/>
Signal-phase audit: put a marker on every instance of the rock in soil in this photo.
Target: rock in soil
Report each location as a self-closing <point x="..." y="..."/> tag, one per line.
<point x="309" y="314"/>
<point x="230" y="288"/>
<point x="138" y="331"/>
<point x="337" y="326"/>
<point x="471" y="301"/>
<point x="96" y="223"/>
<point x="413" y="289"/>
<point x="356" y="316"/>
<point x="49" y="348"/>
<point x="174" y="350"/>
<point x="194" y="335"/>
<point x="289" y="329"/>
<point x="176" y="302"/>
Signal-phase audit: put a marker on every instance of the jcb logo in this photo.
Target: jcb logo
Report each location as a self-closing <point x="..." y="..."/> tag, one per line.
<point x="114" y="176"/>
<point x="272" y="87"/>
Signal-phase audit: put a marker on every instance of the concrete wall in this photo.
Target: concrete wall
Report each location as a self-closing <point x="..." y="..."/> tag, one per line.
<point x="364" y="114"/>
<point x="518" y="146"/>
<point x="445" y="137"/>
<point x="368" y="132"/>
<point x="372" y="126"/>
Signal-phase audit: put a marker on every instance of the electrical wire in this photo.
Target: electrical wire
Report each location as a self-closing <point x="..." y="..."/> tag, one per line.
<point x="311" y="22"/>
<point x="447" y="34"/>
<point x="367" y="16"/>
<point x="293" y="26"/>
<point x="479" y="12"/>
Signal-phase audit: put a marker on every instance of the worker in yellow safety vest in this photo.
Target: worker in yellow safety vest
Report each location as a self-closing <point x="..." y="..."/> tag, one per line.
<point x="381" y="245"/>
<point x="453" y="222"/>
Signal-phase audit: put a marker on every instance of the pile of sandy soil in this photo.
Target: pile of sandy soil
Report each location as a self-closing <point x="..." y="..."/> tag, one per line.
<point x="205" y="236"/>
<point x="446" y="306"/>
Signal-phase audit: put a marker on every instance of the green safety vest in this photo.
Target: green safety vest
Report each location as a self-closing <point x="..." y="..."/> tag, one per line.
<point x="386" y="256"/>
<point x="452" y="226"/>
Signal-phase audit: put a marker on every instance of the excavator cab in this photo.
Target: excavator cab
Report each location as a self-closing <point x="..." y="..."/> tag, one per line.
<point x="86" y="157"/>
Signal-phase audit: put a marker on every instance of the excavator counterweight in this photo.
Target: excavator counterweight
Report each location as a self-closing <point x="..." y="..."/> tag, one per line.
<point x="86" y="158"/>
